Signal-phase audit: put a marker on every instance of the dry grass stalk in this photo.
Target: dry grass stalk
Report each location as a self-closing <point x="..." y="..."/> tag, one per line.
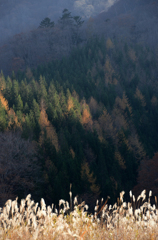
<point x="134" y="220"/>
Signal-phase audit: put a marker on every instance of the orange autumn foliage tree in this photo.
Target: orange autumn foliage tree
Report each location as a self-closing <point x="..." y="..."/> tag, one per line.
<point x="43" y="120"/>
<point x="4" y="102"/>
<point x="48" y="127"/>
<point x="86" y="118"/>
<point x="70" y="104"/>
<point x="13" y="120"/>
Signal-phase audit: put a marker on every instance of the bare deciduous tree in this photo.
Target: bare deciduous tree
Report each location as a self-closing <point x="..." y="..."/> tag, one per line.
<point x="18" y="166"/>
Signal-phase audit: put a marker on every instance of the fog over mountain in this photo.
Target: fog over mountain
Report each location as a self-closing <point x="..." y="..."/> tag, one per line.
<point x="20" y="15"/>
<point x="134" y="21"/>
<point x="24" y="45"/>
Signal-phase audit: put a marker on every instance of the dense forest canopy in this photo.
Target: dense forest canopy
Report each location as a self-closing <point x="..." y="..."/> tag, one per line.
<point x="79" y="105"/>
<point x="91" y="117"/>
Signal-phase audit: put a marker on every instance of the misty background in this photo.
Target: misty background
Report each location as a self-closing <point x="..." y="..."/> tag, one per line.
<point x="23" y="44"/>
<point x="20" y="15"/>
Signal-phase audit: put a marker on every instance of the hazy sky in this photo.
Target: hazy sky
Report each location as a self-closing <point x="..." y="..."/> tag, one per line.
<point x="21" y="15"/>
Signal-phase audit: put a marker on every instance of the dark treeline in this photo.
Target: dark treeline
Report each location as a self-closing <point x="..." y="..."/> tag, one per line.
<point x="89" y="119"/>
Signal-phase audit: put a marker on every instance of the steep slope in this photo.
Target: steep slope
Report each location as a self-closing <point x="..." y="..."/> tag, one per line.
<point x="93" y="116"/>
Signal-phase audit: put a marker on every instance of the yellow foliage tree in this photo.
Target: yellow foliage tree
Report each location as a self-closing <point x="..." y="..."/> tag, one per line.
<point x="43" y="120"/>
<point x="86" y="117"/>
<point x="50" y="130"/>
<point x="13" y="120"/>
<point x="4" y="102"/>
<point x="70" y="104"/>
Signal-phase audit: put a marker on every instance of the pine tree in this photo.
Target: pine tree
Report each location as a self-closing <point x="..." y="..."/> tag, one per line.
<point x="3" y="122"/>
<point x="2" y="81"/>
<point x="19" y="103"/>
<point x="66" y="19"/>
<point x="43" y="90"/>
<point x="46" y="23"/>
<point x="15" y="89"/>
<point x="36" y="109"/>
<point x="8" y="91"/>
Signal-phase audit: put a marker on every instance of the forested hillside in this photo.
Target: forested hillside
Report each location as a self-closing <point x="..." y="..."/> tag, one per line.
<point x="89" y="119"/>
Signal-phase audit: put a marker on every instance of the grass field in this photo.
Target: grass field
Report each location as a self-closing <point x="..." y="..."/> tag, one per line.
<point x="137" y="219"/>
